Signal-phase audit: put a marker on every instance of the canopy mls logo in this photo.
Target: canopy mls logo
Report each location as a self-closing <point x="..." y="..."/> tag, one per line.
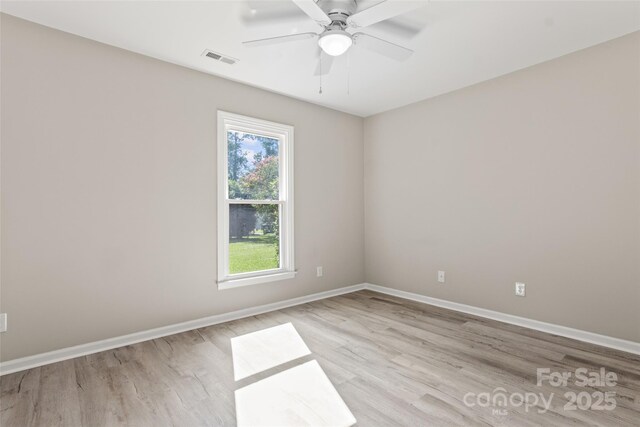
<point x="499" y="399"/>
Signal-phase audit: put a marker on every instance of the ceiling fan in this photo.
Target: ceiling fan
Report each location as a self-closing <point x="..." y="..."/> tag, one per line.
<point x="340" y="22"/>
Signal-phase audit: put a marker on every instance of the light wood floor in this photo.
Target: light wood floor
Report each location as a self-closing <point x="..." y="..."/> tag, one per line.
<point x="393" y="361"/>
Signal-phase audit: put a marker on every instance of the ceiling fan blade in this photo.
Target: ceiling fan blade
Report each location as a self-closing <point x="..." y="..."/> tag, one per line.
<point x="383" y="47"/>
<point x="258" y="12"/>
<point x="313" y="10"/>
<point x="324" y="64"/>
<point x="279" y="39"/>
<point x="399" y="28"/>
<point x="271" y="18"/>
<point x="382" y="11"/>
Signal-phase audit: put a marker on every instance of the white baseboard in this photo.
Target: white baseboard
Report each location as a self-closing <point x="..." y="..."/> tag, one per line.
<point x="577" y="334"/>
<point x="97" y="346"/>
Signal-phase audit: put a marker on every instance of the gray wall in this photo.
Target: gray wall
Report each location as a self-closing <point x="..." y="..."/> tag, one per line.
<point x="533" y="177"/>
<point x="109" y="191"/>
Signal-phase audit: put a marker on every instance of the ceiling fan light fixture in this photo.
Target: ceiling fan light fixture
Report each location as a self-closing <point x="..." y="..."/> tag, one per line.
<point x="335" y="42"/>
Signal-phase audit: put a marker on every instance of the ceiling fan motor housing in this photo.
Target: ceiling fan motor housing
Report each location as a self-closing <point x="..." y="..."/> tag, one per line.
<point x="338" y="10"/>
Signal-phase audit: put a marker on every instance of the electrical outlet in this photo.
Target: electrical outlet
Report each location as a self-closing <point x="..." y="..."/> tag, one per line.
<point x="441" y="276"/>
<point x="520" y="289"/>
<point x="319" y="272"/>
<point x="3" y="322"/>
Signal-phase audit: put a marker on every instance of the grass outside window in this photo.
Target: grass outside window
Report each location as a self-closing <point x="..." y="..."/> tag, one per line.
<point x="255" y="252"/>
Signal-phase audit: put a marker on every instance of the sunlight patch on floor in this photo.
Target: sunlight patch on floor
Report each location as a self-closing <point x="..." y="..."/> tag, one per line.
<point x="265" y="349"/>
<point x="300" y="396"/>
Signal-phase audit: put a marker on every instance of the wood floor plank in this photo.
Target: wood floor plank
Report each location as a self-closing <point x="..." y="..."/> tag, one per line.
<point x="395" y="363"/>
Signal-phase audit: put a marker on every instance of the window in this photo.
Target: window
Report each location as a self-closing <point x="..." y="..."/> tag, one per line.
<point x="255" y="201"/>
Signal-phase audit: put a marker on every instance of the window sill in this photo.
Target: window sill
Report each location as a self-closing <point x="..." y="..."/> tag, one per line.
<point x="254" y="280"/>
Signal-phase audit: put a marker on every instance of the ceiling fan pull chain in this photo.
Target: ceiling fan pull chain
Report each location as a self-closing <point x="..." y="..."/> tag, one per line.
<point x="348" y="71"/>
<point x="320" y="91"/>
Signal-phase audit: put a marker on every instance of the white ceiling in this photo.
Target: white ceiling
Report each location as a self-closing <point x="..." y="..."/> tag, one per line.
<point x="461" y="43"/>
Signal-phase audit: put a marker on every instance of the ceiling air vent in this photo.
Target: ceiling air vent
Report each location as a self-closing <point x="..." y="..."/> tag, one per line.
<point x="219" y="57"/>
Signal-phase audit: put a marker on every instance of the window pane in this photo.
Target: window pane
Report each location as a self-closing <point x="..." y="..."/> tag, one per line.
<point x="254" y="238"/>
<point x="253" y="166"/>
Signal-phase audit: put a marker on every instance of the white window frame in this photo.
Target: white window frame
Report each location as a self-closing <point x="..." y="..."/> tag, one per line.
<point x="284" y="133"/>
